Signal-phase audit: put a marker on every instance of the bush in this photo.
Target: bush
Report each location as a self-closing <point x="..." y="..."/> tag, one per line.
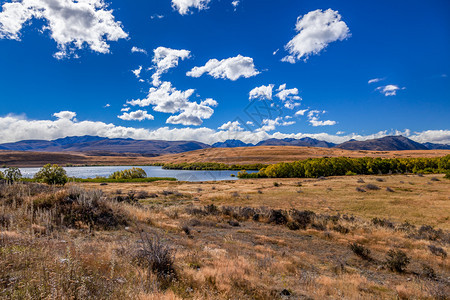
<point x="360" y="250"/>
<point x="372" y="187"/>
<point x="397" y="260"/>
<point x="12" y="174"/>
<point x="157" y="256"/>
<point x="438" y="251"/>
<point x="2" y="176"/>
<point x="52" y="174"/>
<point x="132" y="173"/>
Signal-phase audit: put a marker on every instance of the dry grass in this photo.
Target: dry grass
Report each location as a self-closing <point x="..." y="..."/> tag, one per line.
<point x="221" y="249"/>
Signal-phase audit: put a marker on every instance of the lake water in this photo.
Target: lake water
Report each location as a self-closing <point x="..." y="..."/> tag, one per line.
<point x="152" y="171"/>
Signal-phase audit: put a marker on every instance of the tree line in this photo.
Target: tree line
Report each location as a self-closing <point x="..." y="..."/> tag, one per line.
<point x="338" y="166"/>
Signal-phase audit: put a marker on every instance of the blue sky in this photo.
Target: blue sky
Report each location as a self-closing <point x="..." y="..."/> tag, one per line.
<point x="64" y="73"/>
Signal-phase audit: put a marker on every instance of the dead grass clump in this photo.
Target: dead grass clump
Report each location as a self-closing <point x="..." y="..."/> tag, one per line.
<point x="360" y="250"/>
<point x="360" y="189"/>
<point x="382" y="223"/>
<point x="438" y="251"/>
<point x="390" y="190"/>
<point x="397" y="260"/>
<point x="379" y="179"/>
<point x="158" y="257"/>
<point x="341" y="229"/>
<point x="427" y="232"/>
<point x="434" y="179"/>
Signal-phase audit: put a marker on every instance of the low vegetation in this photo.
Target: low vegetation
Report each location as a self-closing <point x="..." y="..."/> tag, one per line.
<point x="133" y="173"/>
<point x="51" y="174"/>
<point x="178" y="240"/>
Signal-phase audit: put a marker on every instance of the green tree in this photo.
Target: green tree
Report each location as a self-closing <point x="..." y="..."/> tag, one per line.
<point x="129" y="174"/>
<point x="52" y="174"/>
<point x="12" y="174"/>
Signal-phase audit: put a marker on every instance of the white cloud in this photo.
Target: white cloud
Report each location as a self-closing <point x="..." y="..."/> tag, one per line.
<point x="231" y="126"/>
<point x="389" y="90"/>
<point x="165" y="59"/>
<point x="301" y="112"/>
<point x="249" y="123"/>
<point x="270" y="125"/>
<point x="137" y="72"/>
<point x="230" y="68"/>
<point x="138" y="115"/>
<point x="315" y="30"/>
<point x="138" y="50"/>
<point x="16" y="128"/>
<point x="313" y="119"/>
<point x="168" y="99"/>
<point x="235" y="4"/>
<point x="107" y="105"/>
<point x="65" y="115"/>
<point x="157" y="16"/>
<point x="262" y="92"/>
<point x="126" y="109"/>
<point x="275" y="52"/>
<point x="183" y="6"/>
<point x="289" y="96"/>
<point x="375" y="80"/>
<point x="72" y="24"/>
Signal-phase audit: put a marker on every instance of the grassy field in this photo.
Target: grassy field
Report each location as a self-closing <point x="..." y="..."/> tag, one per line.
<point x="246" y="239"/>
<point x="245" y="155"/>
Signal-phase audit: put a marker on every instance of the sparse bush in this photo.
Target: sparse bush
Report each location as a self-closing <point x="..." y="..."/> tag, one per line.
<point x="427" y="232"/>
<point x="438" y="251"/>
<point x="434" y="179"/>
<point x="303" y="218"/>
<point x="388" y="189"/>
<point x="276" y="184"/>
<point x="51" y="174"/>
<point x="341" y="229"/>
<point x="132" y="173"/>
<point x="360" y="189"/>
<point x="379" y="179"/>
<point x="158" y="257"/>
<point x="277" y="216"/>
<point x="360" y="250"/>
<point x="428" y="272"/>
<point x="12" y="174"/>
<point x="360" y="180"/>
<point x="350" y="173"/>
<point x="397" y="260"/>
<point x="372" y="187"/>
<point x="382" y="223"/>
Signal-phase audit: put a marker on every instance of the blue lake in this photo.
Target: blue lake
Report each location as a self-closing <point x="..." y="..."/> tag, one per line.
<point x="152" y="171"/>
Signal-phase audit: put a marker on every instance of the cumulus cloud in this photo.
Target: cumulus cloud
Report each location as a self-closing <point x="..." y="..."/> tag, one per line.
<point x="138" y="115"/>
<point x="288" y="96"/>
<point x="137" y="72"/>
<point x="72" y="24"/>
<point x="389" y="90"/>
<point x="16" y="128"/>
<point x="65" y="115"/>
<point x="231" y="126"/>
<point x="270" y="125"/>
<point x="262" y="92"/>
<point x="235" y="4"/>
<point x="315" y="30"/>
<point x="375" y="80"/>
<point x="165" y="59"/>
<point x="168" y="99"/>
<point x="301" y="112"/>
<point x="138" y="50"/>
<point x="313" y="119"/>
<point x="230" y="68"/>
<point x="157" y="16"/>
<point x="126" y="109"/>
<point x="184" y="6"/>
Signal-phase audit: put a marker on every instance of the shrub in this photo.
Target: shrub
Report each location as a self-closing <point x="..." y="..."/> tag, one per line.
<point x="438" y="251"/>
<point x="157" y="256"/>
<point x="397" y="260"/>
<point x="372" y="187"/>
<point x="350" y="173"/>
<point x="2" y="176"/>
<point x="360" y="250"/>
<point x="388" y="189"/>
<point x="132" y="173"/>
<point x="52" y="174"/>
<point x="12" y="174"/>
<point x="303" y="218"/>
<point x="360" y="189"/>
<point x="434" y="179"/>
<point x="277" y="216"/>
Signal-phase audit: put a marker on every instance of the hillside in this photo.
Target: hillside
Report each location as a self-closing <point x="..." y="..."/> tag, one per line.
<point x="388" y="143"/>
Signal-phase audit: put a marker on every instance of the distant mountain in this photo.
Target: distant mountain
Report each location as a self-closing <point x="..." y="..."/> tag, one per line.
<point x="231" y="144"/>
<point x="388" y="143"/>
<point x="432" y="146"/>
<point x="104" y="146"/>
<point x="303" y="142"/>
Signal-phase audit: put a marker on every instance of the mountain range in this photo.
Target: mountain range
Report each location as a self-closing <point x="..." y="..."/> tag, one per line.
<point x="95" y="145"/>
